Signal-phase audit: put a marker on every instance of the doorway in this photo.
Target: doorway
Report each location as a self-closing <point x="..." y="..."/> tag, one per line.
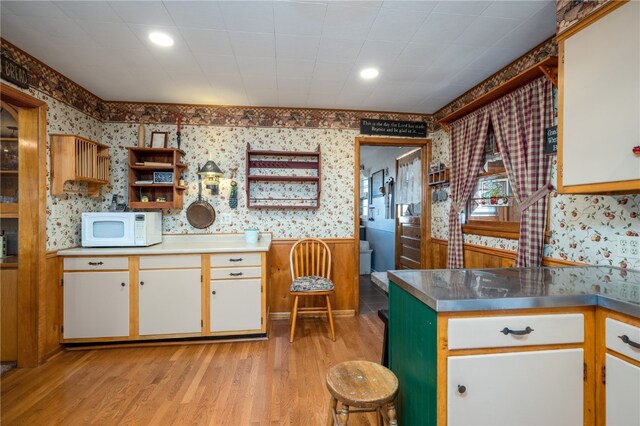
<point x="23" y="204"/>
<point x="376" y="212"/>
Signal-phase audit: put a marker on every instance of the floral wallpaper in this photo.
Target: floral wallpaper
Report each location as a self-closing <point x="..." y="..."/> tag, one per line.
<point x="334" y="218"/>
<point x="583" y="228"/>
<point x="570" y="12"/>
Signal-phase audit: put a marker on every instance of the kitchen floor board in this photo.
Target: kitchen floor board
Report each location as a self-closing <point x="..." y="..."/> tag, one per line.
<point x="268" y="382"/>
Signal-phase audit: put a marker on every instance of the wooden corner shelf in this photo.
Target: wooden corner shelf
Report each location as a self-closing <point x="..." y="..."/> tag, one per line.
<point x="74" y="158"/>
<point x="143" y="162"/>
<point x="547" y="67"/>
<point x="262" y="181"/>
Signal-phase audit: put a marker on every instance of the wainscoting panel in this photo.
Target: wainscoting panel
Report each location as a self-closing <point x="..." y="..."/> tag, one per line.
<point x="342" y="273"/>
<point x="484" y="257"/>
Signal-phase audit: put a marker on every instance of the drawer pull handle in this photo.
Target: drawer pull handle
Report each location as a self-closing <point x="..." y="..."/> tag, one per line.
<point x="236" y="274"/>
<point x="506" y="331"/>
<point x="122" y="284"/>
<point x="461" y="389"/>
<point x="96" y="263"/>
<point x="239" y="259"/>
<point x="625" y="339"/>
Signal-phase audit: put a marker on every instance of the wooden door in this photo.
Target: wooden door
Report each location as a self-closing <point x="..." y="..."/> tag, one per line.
<point x="96" y="304"/>
<point x="236" y="305"/>
<point x="409" y="239"/>
<point x="622" y="392"/>
<point x="170" y="301"/>
<point x="521" y="388"/>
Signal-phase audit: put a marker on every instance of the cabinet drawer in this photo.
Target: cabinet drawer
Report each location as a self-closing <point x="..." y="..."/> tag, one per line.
<point x="489" y="332"/>
<point x="95" y="263"/>
<point x="233" y="273"/>
<point x="236" y="259"/>
<point x="165" y="262"/>
<point x="615" y="330"/>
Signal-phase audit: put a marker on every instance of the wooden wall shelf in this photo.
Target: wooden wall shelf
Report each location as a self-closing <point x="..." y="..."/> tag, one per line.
<point x="259" y="161"/>
<point x="547" y="67"/>
<point x="160" y="160"/>
<point x="74" y="158"/>
<point x="438" y="178"/>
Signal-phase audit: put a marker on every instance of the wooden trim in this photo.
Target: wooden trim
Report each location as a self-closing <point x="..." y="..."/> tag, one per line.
<point x="507" y="230"/>
<point x="205" y="288"/>
<point x="134" y="295"/>
<point x="374" y="140"/>
<point x="621" y="187"/>
<point x="519" y="80"/>
<point x="51" y="254"/>
<point x="491" y="251"/>
<point x="170" y="343"/>
<point x="590" y="19"/>
<point x="289" y="241"/>
<point x="552" y="261"/>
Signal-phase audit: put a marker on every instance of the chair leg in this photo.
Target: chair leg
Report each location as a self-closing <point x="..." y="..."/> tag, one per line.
<point x="330" y="315"/>
<point x="391" y="414"/>
<point x="294" y="316"/>
<point x="331" y="420"/>
<point x="379" y="416"/>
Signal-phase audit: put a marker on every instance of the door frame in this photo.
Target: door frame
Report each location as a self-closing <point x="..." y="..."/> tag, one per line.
<point x="425" y="223"/>
<point x="32" y="168"/>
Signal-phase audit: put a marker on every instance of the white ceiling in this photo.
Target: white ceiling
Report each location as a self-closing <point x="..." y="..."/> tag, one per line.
<point x="280" y="53"/>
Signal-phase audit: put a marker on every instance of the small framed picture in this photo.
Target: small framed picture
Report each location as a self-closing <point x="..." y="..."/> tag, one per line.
<point x="159" y="139"/>
<point x="162" y="177"/>
<point x="377" y="184"/>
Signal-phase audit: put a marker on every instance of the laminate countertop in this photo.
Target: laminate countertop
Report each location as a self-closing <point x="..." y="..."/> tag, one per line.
<point x="458" y="290"/>
<point x="180" y="244"/>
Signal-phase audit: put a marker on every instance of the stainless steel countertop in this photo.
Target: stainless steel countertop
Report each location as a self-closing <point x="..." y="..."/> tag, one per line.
<point x="459" y="290"/>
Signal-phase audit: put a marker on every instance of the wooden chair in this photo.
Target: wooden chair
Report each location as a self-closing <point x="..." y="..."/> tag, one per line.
<point x="310" y="260"/>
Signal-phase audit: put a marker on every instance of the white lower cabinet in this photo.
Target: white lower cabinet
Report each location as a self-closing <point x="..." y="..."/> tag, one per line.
<point x="96" y="304"/>
<point x="170" y="301"/>
<point x="622" y="392"/>
<point x="518" y="388"/>
<point x="236" y="305"/>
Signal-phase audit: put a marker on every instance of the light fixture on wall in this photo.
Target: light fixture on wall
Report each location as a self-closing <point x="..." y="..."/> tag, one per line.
<point x="211" y="175"/>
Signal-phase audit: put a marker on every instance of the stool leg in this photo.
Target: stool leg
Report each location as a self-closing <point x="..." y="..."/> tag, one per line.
<point x="331" y="420"/>
<point x="343" y="417"/>
<point x="379" y="416"/>
<point x="333" y="331"/>
<point x="391" y="413"/>
<point x="294" y="316"/>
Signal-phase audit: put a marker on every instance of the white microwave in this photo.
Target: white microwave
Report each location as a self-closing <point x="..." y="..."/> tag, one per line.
<point x="121" y="229"/>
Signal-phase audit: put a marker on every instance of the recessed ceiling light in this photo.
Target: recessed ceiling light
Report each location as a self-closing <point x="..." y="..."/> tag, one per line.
<point x="369" y="73"/>
<point x="161" y="39"/>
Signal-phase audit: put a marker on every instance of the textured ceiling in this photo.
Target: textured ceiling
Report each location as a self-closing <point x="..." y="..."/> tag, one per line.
<point x="280" y="53"/>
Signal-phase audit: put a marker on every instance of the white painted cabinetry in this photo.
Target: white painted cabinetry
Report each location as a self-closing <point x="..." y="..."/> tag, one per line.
<point x="96" y="304"/>
<point x="520" y="388"/>
<point x="169" y="299"/>
<point x="622" y="392"/>
<point x="236" y="293"/>
<point x="600" y="104"/>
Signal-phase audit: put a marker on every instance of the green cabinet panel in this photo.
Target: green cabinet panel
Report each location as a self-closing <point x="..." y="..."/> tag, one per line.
<point x="412" y="357"/>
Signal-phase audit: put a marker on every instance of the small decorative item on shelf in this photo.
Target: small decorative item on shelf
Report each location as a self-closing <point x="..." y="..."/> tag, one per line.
<point x="182" y="182"/>
<point x="144" y="199"/>
<point x="495" y="192"/>
<point x="178" y="133"/>
<point x="162" y="177"/>
<point x="159" y="139"/>
<point x="161" y="200"/>
<point x="141" y="134"/>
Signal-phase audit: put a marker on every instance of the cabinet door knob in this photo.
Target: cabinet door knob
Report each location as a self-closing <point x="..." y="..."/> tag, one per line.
<point x="625" y="339"/>
<point x="461" y="389"/>
<point x="213" y="292"/>
<point x="524" y="332"/>
<point x="122" y="284"/>
<point x="141" y="282"/>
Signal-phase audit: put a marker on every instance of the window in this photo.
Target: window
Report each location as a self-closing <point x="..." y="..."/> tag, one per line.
<point x="364" y="195"/>
<point x="491" y="210"/>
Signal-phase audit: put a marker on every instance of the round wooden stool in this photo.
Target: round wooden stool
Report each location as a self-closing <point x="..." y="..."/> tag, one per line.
<point x="361" y="386"/>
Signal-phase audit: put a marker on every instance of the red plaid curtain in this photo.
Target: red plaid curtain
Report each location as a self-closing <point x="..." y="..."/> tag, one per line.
<point x="519" y="120"/>
<point x="468" y="137"/>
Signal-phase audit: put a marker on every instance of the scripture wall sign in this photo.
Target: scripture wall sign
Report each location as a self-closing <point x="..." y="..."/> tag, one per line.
<point x="551" y="140"/>
<point x="412" y="129"/>
<point x="14" y="73"/>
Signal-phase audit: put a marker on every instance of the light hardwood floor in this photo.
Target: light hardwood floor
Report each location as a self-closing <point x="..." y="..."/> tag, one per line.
<point x="245" y="383"/>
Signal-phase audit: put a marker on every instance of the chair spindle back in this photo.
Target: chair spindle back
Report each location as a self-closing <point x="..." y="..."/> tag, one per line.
<point x="310" y="256"/>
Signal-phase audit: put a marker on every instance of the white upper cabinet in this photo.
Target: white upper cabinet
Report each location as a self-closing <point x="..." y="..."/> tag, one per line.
<point x="599" y="104"/>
